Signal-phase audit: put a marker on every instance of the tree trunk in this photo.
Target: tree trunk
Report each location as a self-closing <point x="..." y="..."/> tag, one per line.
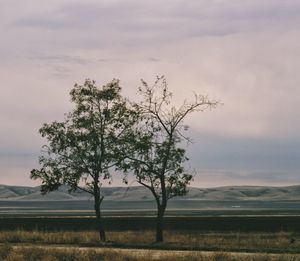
<point x="99" y="220"/>
<point x="160" y="223"/>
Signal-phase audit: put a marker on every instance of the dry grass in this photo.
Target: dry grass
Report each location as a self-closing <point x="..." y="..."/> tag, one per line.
<point x="241" y="241"/>
<point x="38" y="254"/>
<point x="220" y="241"/>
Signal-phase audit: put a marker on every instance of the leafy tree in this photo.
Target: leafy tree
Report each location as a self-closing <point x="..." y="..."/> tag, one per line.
<point x="81" y="151"/>
<point x="154" y="154"/>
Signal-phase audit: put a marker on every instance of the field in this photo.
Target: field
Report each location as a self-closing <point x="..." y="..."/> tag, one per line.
<point x="175" y="207"/>
<point x="138" y="245"/>
<point x="197" y="231"/>
<point x="124" y="223"/>
<point x="46" y="253"/>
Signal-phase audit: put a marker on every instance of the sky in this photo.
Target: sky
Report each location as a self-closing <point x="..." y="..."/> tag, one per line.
<point x="245" y="54"/>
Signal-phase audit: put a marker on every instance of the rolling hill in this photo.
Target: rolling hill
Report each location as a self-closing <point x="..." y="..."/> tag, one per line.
<point x="137" y="193"/>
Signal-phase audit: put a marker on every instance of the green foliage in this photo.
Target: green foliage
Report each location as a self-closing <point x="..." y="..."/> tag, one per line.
<point x="102" y="133"/>
<point x="81" y="148"/>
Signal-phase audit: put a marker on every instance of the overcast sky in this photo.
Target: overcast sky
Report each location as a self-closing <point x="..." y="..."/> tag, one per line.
<point x="243" y="53"/>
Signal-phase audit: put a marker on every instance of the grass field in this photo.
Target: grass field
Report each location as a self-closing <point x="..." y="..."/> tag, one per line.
<point x="8" y="253"/>
<point x="132" y="238"/>
<point x="190" y="234"/>
<point x="124" y="223"/>
<point x="138" y="245"/>
<point x="282" y="242"/>
<point x="148" y="208"/>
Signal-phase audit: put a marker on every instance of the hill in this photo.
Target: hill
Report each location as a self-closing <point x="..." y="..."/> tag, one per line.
<point x="137" y="193"/>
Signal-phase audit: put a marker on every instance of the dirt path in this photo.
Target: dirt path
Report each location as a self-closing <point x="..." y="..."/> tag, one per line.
<point x="155" y="254"/>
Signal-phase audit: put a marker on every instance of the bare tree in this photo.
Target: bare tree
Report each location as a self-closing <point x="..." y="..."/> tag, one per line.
<point x="154" y="153"/>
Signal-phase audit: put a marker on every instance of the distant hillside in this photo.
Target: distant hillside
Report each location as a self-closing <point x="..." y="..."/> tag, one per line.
<point x="140" y="193"/>
<point x="245" y="193"/>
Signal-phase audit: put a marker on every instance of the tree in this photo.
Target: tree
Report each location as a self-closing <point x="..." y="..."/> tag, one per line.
<point x="80" y="151"/>
<point x="154" y="153"/>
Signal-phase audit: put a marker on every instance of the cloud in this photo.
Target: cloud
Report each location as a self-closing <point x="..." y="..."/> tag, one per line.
<point x="173" y="15"/>
<point x="239" y="153"/>
<point x="207" y="178"/>
<point x="60" y="59"/>
<point x="243" y="53"/>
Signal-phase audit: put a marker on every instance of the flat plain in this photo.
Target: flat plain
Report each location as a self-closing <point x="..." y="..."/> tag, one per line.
<point x="194" y="230"/>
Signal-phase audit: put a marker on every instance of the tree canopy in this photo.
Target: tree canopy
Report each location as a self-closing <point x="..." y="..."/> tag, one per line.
<point x="81" y="150"/>
<point x="105" y="132"/>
